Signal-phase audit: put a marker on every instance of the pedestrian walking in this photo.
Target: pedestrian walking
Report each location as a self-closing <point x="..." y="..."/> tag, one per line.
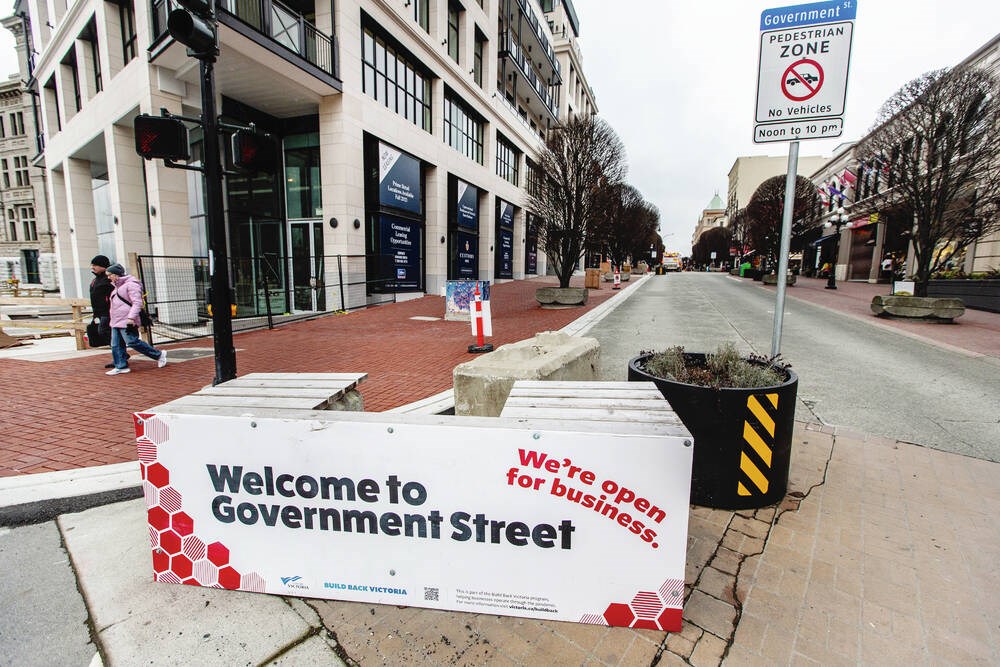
<point x="100" y="297"/>
<point x="126" y="302"/>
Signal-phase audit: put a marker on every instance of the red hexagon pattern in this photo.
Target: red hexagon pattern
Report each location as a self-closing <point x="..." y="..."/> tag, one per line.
<point x="648" y="610"/>
<point x="179" y="555"/>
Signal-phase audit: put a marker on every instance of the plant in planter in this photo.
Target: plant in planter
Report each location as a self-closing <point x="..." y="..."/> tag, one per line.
<point x="740" y="410"/>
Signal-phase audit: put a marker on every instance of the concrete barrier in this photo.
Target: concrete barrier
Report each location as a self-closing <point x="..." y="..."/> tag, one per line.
<point x="933" y="309"/>
<point x="483" y="384"/>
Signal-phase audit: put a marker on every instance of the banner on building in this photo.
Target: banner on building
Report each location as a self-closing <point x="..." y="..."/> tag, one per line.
<point x="398" y="179"/>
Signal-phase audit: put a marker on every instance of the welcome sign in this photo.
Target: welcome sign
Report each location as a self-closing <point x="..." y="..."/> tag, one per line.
<point x="447" y="513"/>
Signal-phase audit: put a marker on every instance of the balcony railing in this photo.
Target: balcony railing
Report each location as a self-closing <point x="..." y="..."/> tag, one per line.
<point x="536" y="27"/>
<point x="510" y="47"/>
<point x="284" y="26"/>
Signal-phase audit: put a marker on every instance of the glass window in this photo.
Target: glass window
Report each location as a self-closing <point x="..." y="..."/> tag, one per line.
<point x="461" y="131"/>
<point x="3" y="133"/>
<point x="28" y="223"/>
<point x="95" y="58"/>
<point x="126" y="14"/>
<point x="390" y="78"/>
<point x="11" y="225"/>
<point x="5" y="168"/>
<point x="453" y="12"/>
<point x="421" y="14"/>
<point x="16" y="123"/>
<point x="303" y="189"/>
<point x="21" y="171"/>
<point x="507" y="160"/>
<point x="534" y="178"/>
<point x="477" y="59"/>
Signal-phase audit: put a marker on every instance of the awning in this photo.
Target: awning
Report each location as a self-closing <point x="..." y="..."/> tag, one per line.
<point x="823" y="239"/>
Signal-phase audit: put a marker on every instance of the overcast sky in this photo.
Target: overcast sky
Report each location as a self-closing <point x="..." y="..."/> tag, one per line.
<point x="678" y="79"/>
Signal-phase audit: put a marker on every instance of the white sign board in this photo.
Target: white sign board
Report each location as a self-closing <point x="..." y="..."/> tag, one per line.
<point x="446" y="513"/>
<point x="805" y="55"/>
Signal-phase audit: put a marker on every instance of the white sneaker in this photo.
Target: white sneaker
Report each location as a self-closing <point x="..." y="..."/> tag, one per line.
<point x="162" y="361"/>
<point x="118" y="371"/>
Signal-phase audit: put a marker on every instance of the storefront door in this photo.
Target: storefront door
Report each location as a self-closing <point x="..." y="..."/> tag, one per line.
<point x="308" y="289"/>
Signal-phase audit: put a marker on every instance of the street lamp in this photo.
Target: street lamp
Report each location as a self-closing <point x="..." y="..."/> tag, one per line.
<point x="837" y="219"/>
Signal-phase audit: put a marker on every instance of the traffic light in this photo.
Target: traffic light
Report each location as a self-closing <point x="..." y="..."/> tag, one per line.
<point x="161" y="137"/>
<point x="193" y="26"/>
<point x="254" y="151"/>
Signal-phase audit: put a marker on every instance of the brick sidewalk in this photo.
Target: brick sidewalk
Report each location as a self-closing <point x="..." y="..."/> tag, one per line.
<point x="59" y="415"/>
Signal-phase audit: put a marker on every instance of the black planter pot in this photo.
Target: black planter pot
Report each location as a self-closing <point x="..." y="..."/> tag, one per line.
<point x="742" y="437"/>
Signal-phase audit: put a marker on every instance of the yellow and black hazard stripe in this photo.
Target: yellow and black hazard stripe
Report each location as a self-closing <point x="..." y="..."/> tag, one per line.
<point x="757" y="445"/>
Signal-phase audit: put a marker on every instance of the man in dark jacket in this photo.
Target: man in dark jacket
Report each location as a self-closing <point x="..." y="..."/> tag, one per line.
<point x="100" y="295"/>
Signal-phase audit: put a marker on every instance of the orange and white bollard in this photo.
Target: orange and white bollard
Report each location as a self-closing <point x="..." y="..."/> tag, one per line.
<point x="618" y="279"/>
<point x="477" y="324"/>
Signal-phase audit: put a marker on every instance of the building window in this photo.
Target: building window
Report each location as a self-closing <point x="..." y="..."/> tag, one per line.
<point x="5" y="168"/>
<point x="461" y="131"/>
<point x="453" y="11"/>
<point x="507" y="160"/>
<point x="11" y="225"/>
<point x="477" y="58"/>
<point x="69" y="62"/>
<point x="16" y="124"/>
<point x="302" y="176"/>
<point x="126" y="14"/>
<point x="390" y="77"/>
<point x="21" y="171"/>
<point x="533" y="178"/>
<point x="28" y="223"/>
<point x="3" y="132"/>
<point x="89" y="35"/>
<point x="421" y="14"/>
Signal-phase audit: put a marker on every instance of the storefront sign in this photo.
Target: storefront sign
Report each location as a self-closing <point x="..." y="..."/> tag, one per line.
<point x="467" y="207"/>
<point x="466" y="256"/>
<point x="456" y="514"/>
<point x="398" y="179"/>
<point x="505" y="253"/>
<point x="400" y="243"/>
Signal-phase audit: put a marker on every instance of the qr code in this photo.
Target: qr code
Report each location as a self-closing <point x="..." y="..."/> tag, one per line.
<point x="431" y="594"/>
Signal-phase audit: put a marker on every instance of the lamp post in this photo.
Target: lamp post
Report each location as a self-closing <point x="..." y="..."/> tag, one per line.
<point x="837" y="220"/>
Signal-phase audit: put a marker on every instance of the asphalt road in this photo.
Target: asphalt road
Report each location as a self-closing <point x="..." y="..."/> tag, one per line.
<point x="851" y="374"/>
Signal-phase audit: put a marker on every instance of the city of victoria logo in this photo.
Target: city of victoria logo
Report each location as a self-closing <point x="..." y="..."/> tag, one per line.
<point x="294" y="582"/>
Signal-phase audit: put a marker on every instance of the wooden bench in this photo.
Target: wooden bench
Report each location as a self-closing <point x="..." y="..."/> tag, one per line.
<point x="294" y="392"/>
<point x="606" y="407"/>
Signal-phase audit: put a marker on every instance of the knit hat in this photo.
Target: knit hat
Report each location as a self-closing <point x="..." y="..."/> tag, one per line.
<point x="101" y="260"/>
<point x="117" y="269"/>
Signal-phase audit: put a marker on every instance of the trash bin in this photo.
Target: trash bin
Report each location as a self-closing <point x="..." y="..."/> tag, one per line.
<point x="742" y="438"/>
<point x="592" y="279"/>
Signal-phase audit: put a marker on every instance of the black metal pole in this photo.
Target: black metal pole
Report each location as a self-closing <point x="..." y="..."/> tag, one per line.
<point x="831" y="280"/>
<point x="222" y="322"/>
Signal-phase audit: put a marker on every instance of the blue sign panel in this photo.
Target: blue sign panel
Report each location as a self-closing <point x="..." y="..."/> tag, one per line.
<point x="505" y="253"/>
<point x="467" y="208"/>
<point x="467" y="256"/>
<point x="398" y="179"/>
<point x="506" y="217"/>
<point x="400" y="252"/>
<point x="811" y="14"/>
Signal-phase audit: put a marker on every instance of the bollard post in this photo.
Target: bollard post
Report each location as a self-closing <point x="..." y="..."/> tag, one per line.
<point x="477" y="317"/>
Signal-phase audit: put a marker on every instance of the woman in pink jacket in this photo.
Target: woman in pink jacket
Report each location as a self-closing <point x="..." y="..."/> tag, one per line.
<point x="126" y="302"/>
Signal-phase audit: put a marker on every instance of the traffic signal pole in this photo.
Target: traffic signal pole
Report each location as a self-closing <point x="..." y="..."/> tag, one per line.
<point x="222" y="322"/>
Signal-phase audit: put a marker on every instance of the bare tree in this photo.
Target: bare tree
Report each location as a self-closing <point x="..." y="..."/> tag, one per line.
<point x="630" y="226"/>
<point x="936" y="149"/>
<point x="581" y="161"/>
<point x="739" y="233"/>
<point x="766" y="209"/>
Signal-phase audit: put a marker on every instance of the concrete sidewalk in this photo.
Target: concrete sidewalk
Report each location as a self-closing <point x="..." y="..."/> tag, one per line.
<point x="881" y="553"/>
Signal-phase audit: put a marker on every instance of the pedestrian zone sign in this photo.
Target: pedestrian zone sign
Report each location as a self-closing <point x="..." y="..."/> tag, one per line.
<point x="805" y="56"/>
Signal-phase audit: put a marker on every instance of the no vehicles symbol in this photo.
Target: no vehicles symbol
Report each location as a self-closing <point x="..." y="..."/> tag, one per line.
<point x="802" y="80"/>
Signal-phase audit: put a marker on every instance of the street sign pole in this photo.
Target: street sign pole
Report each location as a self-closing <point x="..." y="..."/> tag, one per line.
<point x="805" y="56"/>
<point x="786" y="241"/>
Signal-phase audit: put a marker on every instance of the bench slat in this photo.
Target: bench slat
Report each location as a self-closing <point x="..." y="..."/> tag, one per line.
<point x="333" y="385"/>
<point x="590" y="414"/>
<point x="263" y="392"/>
<point x="595" y="384"/>
<point x="352" y="377"/>
<point x="655" y="403"/>
<point x="246" y="402"/>
<point x="640" y="394"/>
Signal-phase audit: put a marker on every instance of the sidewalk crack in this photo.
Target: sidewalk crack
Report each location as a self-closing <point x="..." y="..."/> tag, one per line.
<point x="92" y="630"/>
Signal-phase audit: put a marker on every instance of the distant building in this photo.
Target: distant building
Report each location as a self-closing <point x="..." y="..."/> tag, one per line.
<point x="714" y="215"/>
<point x="27" y="246"/>
<point x="748" y="172"/>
